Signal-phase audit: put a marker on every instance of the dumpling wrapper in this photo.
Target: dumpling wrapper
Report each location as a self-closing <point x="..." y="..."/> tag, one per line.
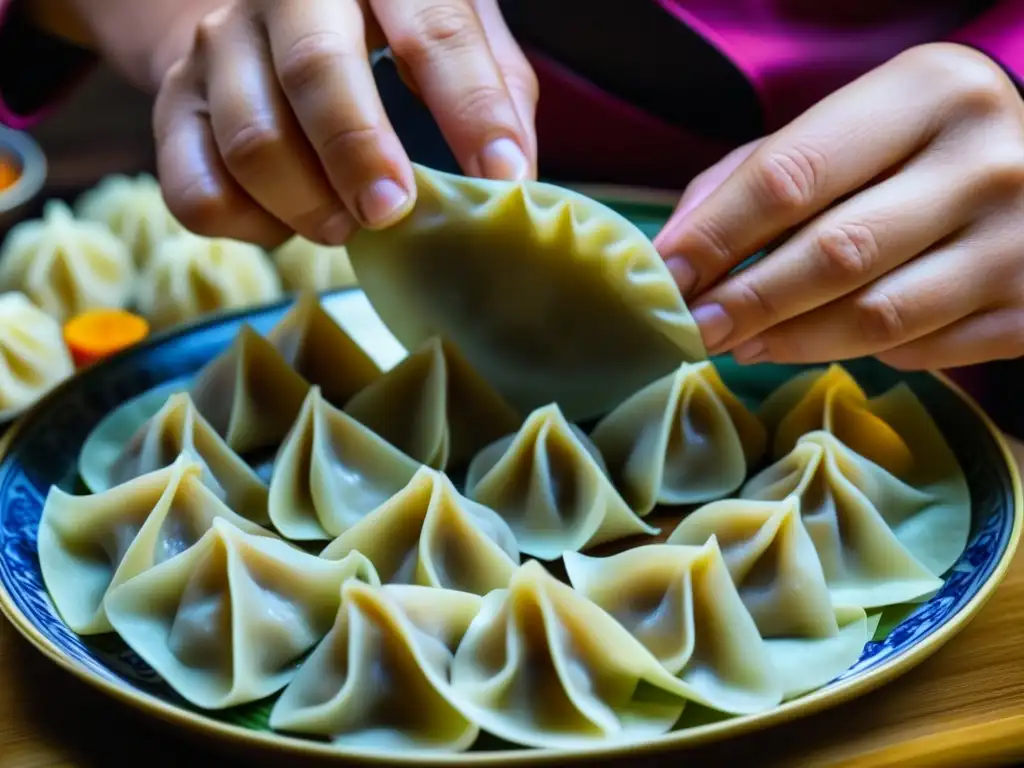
<point x="544" y="290"/>
<point x="893" y="430"/>
<point x="846" y="503"/>
<point x="434" y="407"/>
<point x="683" y="439"/>
<point x="542" y="666"/>
<point x="88" y="545"/>
<point x="331" y="472"/>
<point x="379" y="680"/>
<point x="775" y="568"/>
<point x="322" y="352"/>
<point x="249" y="393"/>
<point x="33" y="356"/>
<point x="431" y="535"/>
<point x="307" y="266"/>
<point x="680" y="602"/>
<point x="175" y="429"/>
<point x="226" y="621"/>
<point x="551" y="486"/>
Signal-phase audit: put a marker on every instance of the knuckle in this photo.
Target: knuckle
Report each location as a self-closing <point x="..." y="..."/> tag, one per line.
<point x="436" y="25"/>
<point x="1003" y="173"/>
<point x="756" y="301"/>
<point x="349" y="145"/>
<point x="880" y="318"/>
<point x="713" y="252"/>
<point x="973" y="84"/>
<point x="251" y="145"/>
<point x="847" y="250"/>
<point x="790" y="178"/>
<point x="309" y="59"/>
<point x="479" y="103"/>
<point x="199" y="207"/>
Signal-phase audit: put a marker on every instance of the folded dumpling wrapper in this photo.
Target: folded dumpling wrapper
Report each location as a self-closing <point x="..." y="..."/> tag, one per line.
<point x="330" y="472"/>
<point x="379" y="680"/>
<point x="543" y="666"/>
<point x="544" y="290"/>
<point x="226" y="621"/>
<point x="681" y="603"/>
<point x="550" y="484"/>
<point x="434" y="407"/>
<point x="774" y="566"/>
<point x="175" y="429"/>
<point x="249" y="393"/>
<point x="893" y="430"/>
<point x="88" y="545"/>
<point x="683" y="439"/>
<point x="307" y="266"/>
<point x="33" y="356"/>
<point x="430" y="534"/>
<point x="848" y="505"/>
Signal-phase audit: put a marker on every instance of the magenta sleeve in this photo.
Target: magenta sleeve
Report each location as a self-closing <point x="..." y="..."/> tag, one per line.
<point x="36" y="69"/>
<point x="998" y="33"/>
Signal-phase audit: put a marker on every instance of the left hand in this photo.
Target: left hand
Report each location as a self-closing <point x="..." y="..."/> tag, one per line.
<point x="900" y="199"/>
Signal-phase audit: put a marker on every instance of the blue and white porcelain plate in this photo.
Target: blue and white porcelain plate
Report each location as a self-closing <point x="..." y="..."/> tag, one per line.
<point x="43" y="450"/>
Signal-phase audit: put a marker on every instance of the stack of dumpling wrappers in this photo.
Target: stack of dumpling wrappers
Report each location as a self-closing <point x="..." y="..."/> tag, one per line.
<point x="552" y="522"/>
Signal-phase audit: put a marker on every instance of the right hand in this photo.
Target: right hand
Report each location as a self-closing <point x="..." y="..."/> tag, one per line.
<point x="271" y="123"/>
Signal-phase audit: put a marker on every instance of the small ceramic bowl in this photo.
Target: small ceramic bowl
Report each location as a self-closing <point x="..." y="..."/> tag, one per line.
<point x="31" y="162"/>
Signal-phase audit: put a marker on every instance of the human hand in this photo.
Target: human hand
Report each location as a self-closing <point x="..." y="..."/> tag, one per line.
<point x="900" y="199"/>
<point x="271" y="123"/>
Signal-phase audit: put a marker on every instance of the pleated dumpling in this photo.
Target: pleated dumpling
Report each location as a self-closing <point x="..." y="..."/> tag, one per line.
<point x="133" y="209"/>
<point x="847" y="503"/>
<point x="543" y="666"/>
<point x="226" y="621"/>
<point x="33" y="356"/>
<point x="680" y="602"/>
<point x="379" y="680"/>
<point x="307" y="266"/>
<point x="683" y="439"/>
<point x="320" y="351"/>
<point x="434" y="407"/>
<point x="65" y="265"/>
<point x="331" y="472"/>
<point x="773" y="564"/>
<point x="430" y="534"/>
<point x="175" y="429"/>
<point x="249" y="393"/>
<point x="89" y="545"/>
<point x="551" y="486"/>
<point x="190" y="276"/>
<point x="544" y="290"/>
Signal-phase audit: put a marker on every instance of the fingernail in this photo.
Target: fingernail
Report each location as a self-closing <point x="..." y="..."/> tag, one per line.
<point x="338" y="228"/>
<point x="682" y="273"/>
<point x="503" y="159"/>
<point x="750" y="351"/>
<point x="381" y="202"/>
<point x="715" y="325"/>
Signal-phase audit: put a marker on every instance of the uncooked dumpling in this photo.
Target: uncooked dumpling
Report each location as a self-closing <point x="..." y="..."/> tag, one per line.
<point x="226" y="621"/>
<point x="847" y="503"/>
<point x="430" y="534"/>
<point x="134" y="209"/>
<point x="249" y="393"/>
<point x="306" y="266"/>
<point x="175" y="429"/>
<point x="551" y="486"/>
<point x="680" y="602"/>
<point x="33" y="356"/>
<point x="320" y="351"/>
<point x="684" y="439"/>
<point x="379" y="680"/>
<point x="542" y="666"/>
<point x="773" y="563"/>
<point x="434" y="407"/>
<point x="550" y="295"/>
<point x="90" y="544"/>
<point x="191" y="276"/>
<point x="66" y="266"/>
<point x="331" y="472"/>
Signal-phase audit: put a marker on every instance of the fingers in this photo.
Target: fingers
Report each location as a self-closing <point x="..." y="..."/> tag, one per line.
<point x="259" y="139"/>
<point x="448" y="53"/>
<point x="842" y="250"/>
<point x="320" y="57"/>
<point x="197" y="185"/>
<point x="994" y="335"/>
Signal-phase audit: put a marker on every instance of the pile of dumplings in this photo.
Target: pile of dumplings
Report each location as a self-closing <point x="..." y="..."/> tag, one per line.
<point x="401" y="560"/>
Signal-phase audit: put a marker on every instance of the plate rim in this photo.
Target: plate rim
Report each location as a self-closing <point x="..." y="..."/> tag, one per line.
<point x="226" y="733"/>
